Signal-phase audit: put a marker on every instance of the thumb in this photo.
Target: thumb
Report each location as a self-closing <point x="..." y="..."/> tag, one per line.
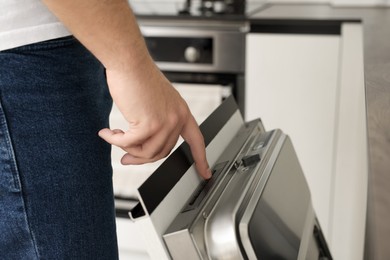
<point x="111" y="136"/>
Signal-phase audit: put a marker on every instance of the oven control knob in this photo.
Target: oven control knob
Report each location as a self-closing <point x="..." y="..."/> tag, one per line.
<point x="191" y="54"/>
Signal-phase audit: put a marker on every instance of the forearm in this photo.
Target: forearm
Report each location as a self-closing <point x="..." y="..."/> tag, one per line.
<point x="107" y="28"/>
<point x="110" y="31"/>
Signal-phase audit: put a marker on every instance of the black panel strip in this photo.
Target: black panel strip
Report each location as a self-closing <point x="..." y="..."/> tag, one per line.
<point x="201" y="77"/>
<point x="321" y="243"/>
<point x="297" y="26"/>
<point x="121" y="213"/>
<point x="159" y="184"/>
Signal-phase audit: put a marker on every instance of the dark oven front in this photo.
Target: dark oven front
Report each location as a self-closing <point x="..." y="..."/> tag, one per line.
<point x="200" y="55"/>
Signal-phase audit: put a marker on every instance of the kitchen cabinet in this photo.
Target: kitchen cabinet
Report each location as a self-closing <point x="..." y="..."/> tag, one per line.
<point x="130" y="244"/>
<point x="312" y="87"/>
<point x="292" y="85"/>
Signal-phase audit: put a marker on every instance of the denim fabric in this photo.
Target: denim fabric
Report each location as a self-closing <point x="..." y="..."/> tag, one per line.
<point x="56" y="198"/>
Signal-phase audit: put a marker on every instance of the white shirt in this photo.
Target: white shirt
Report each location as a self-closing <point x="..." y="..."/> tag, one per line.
<point x="27" y="21"/>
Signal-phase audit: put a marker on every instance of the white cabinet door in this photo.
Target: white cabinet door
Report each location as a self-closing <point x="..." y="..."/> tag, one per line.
<point x="292" y="84"/>
<point x="312" y="87"/>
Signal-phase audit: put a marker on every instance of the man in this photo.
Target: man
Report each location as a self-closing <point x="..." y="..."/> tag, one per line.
<point x="55" y="175"/>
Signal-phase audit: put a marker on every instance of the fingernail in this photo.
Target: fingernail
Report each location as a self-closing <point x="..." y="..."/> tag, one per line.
<point x="104" y="131"/>
<point x="208" y="173"/>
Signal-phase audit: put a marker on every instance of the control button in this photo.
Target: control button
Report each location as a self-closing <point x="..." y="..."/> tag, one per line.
<point x="191" y="54"/>
<point x="250" y="159"/>
<point x="219" y="7"/>
<point x="237" y="164"/>
<point x="258" y="145"/>
<point x="204" y="187"/>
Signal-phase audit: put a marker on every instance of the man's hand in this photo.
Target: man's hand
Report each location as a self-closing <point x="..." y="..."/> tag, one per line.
<point x="157" y="116"/>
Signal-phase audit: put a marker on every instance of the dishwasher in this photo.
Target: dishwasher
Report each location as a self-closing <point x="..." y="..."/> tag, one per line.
<point x="256" y="205"/>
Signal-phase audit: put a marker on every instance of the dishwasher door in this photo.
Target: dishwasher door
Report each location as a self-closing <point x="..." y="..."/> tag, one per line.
<point x="257" y="204"/>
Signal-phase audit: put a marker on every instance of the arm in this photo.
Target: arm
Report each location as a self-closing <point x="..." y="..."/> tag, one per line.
<point x="156" y="113"/>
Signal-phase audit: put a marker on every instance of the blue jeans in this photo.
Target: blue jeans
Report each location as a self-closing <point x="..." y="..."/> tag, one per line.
<point x="56" y="197"/>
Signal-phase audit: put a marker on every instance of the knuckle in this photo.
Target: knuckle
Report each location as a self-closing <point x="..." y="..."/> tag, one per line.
<point x="149" y="155"/>
<point x="175" y="119"/>
<point x="153" y="127"/>
<point x="166" y="153"/>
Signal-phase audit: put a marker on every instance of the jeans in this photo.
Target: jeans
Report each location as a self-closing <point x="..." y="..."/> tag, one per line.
<point x="56" y="197"/>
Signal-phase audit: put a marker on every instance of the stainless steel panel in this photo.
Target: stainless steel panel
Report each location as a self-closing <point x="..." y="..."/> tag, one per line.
<point x="228" y="44"/>
<point x="274" y="219"/>
<point x="221" y="227"/>
<point x="209" y="222"/>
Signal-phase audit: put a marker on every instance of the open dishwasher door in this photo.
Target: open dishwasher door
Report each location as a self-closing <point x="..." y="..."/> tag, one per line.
<point x="257" y="204"/>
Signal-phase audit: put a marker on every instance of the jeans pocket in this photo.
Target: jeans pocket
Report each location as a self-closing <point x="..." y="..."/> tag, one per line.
<point x="9" y="176"/>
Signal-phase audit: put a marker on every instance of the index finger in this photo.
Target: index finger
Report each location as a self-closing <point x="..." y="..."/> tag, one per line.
<point x="192" y="135"/>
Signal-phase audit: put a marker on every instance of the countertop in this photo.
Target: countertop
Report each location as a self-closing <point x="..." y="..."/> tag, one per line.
<point x="376" y="30"/>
